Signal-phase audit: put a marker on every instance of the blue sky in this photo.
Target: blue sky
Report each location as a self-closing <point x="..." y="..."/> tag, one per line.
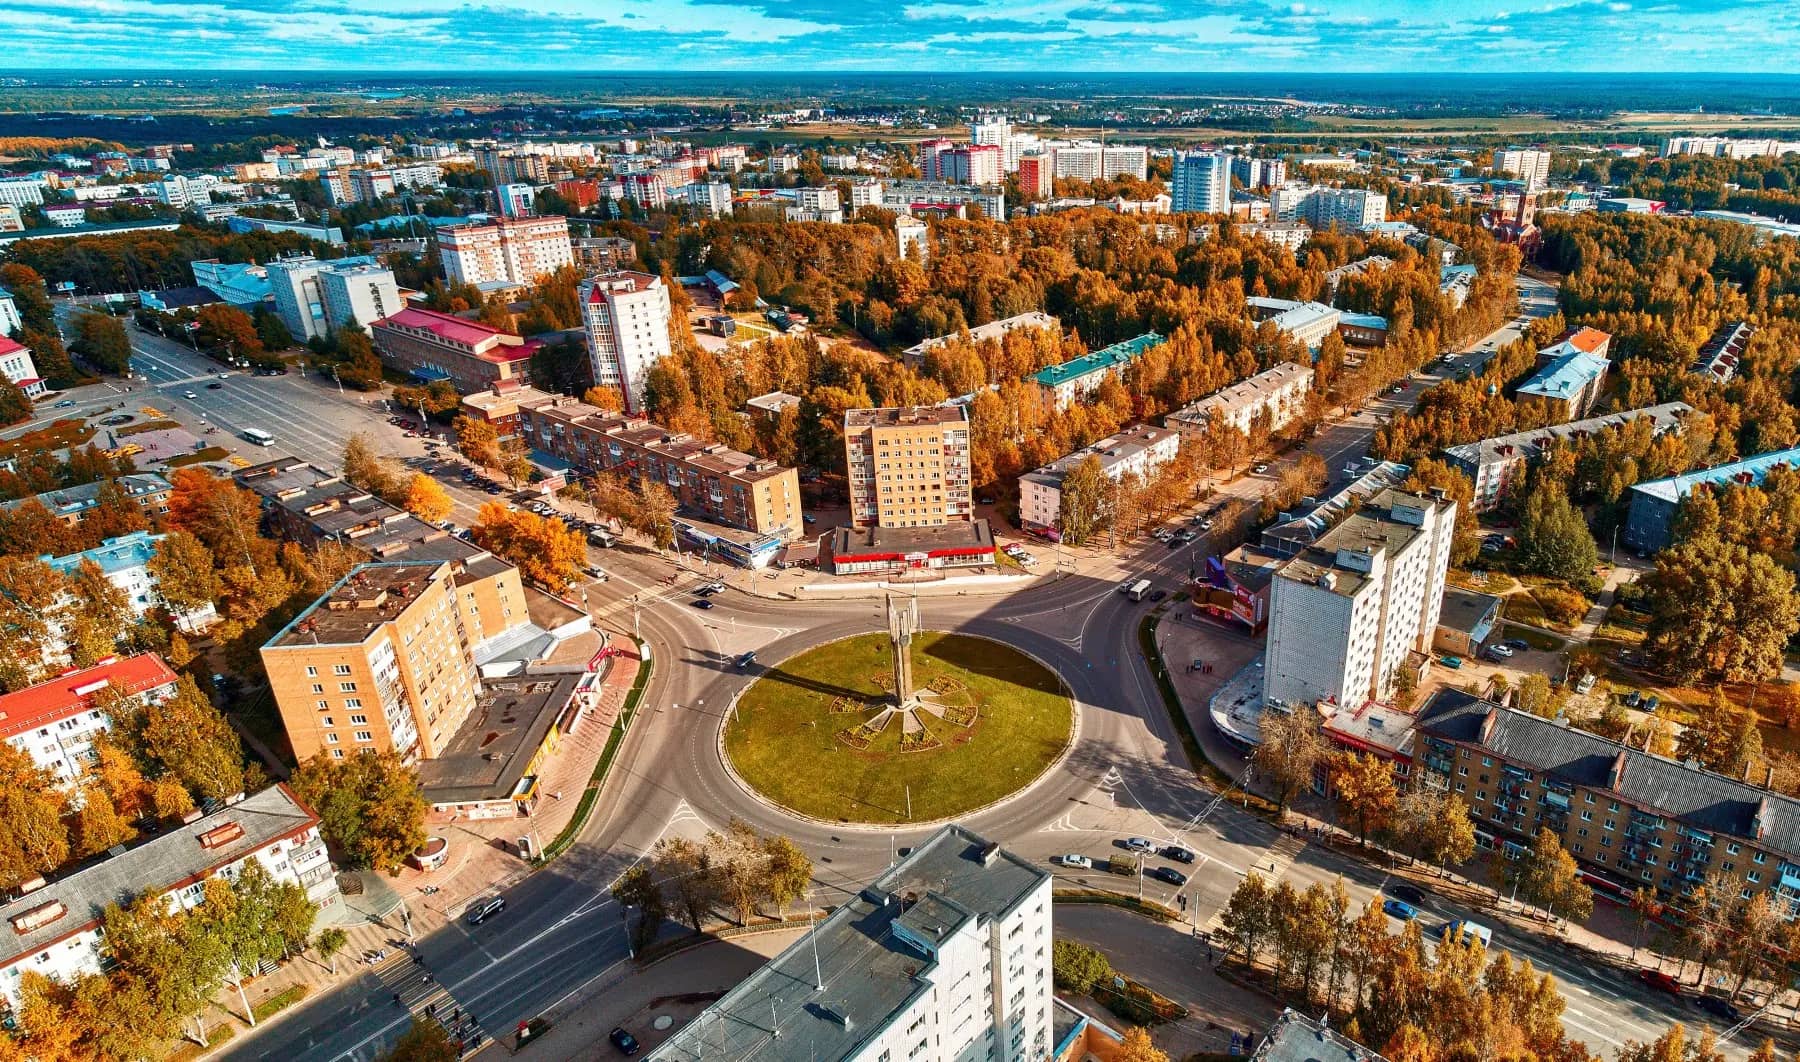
<point x="1476" y="36"/>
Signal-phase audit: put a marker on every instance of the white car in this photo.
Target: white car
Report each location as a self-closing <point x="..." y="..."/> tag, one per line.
<point x="1026" y="559"/>
<point x="1500" y="652"/>
<point x="1071" y="860"/>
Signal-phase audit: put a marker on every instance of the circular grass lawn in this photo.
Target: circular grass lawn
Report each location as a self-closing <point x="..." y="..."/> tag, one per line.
<point x="798" y="736"/>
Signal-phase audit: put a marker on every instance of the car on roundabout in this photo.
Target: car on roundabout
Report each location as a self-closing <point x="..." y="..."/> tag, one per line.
<point x="1079" y="862"/>
<point x="1168" y="874"/>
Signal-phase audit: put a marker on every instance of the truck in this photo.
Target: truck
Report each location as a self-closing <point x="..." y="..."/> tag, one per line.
<point x="1124" y="865"/>
<point x="1138" y="590"/>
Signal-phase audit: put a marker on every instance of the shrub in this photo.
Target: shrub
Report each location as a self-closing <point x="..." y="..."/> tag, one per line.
<point x="1077" y="967"/>
<point x="1562" y="607"/>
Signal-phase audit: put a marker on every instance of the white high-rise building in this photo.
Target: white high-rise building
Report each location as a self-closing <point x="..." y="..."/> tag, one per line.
<point x="516" y="251"/>
<point x="360" y="287"/>
<point x="709" y="198"/>
<point x="22" y="191"/>
<point x="1350" y="611"/>
<point x="1345" y="209"/>
<point x="1531" y="165"/>
<point x="944" y="958"/>
<point x="182" y="192"/>
<point x="992" y="129"/>
<point x="1201" y="183"/>
<point x="626" y="314"/>
<point x="1259" y="173"/>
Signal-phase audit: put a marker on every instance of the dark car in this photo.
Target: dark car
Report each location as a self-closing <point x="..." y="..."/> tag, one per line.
<point x="1660" y="981"/>
<point x="1168" y="874"/>
<point x="701" y="602"/>
<point x="624" y="1041"/>
<point x="1158" y="595"/>
<point x="1400" y="909"/>
<point x="1719" y="1008"/>
<point x="746" y="660"/>
<point x="214" y="386"/>
<point x="483" y="909"/>
<point x="1412" y="894"/>
<point x="1177" y="853"/>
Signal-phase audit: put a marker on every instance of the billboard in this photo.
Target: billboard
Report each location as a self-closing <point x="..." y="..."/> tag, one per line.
<point x="1224" y="598"/>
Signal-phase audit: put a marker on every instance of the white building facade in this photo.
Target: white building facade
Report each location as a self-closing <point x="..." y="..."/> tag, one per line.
<point x="1138" y="450"/>
<point x="313" y="304"/>
<point x="55" y="722"/>
<point x="1348" y="613"/>
<point x="1280" y="392"/>
<point x="516" y="251"/>
<point x="1201" y="183"/>
<point x="626" y="315"/>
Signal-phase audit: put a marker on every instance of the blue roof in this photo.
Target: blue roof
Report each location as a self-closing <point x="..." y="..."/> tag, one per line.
<point x="1362" y="320"/>
<point x="1565" y="376"/>
<point x="112" y="555"/>
<point x="721" y="283"/>
<point x="429" y="375"/>
<point x="1454" y="270"/>
<point x="1748" y="470"/>
<point x="1100" y="360"/>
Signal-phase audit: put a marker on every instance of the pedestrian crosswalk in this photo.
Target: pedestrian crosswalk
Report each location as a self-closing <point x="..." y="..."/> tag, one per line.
<point x="406" y="979"/>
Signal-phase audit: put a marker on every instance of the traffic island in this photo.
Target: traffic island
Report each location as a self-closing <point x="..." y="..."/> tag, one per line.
<point x="824" y="735"/>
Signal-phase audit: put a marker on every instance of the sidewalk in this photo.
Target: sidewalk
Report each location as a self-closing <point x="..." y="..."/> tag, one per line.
<point x="678" y="987"/>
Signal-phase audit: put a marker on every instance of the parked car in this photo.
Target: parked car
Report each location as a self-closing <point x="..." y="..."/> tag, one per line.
<point x="1719" y="1008"/>
<point x="624" y="1041"/>
<point x="484" y="909"/>
<point x="1400" y="909"/>
<point x="1168" y="874"/>
<point x="1177" y="853"/>
<point x="1206" y="525"/>
<point x="1140" y="844"/>
<point x="1651" y="702"/>
<point x="1586" y="685"/>
<point x="1406" y="893"/>
<point x="1660" y="981"/>
<point x="1079" y="862"/>
<point x="1500" y="652"/>
<point x="1260" y="467"/>
<point x="1516" y="644"/>
<point x="1451" y="662"/>
<point x="715" y="588"/>
<point x="1632" y="698"/>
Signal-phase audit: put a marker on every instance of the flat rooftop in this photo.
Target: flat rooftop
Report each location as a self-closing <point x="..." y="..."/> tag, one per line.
<point x="871" y="972"/>
<point x="1377" y="525"/>
<point x="487" y="757"/>
<point x="1469" y="611"/>
<point x="1113" y="450"/>
<point x="1663" y="417"/>
<point x="369" y="596"/>
<point x="960" y="536"/>
<point x="905" y="416"/>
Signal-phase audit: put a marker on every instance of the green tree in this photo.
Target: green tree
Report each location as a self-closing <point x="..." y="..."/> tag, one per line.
<point x="188" y="737"/>
<point x="370" y="807"/>
<point x="787" y="874"/>
<point x="637" y="890"/>
<point x="101" y="341"/>
<point x="1082" y="508"/>
<point x="330" y="942"/>
<point x="1719" y="610"/>
<point x="1249" y="917"/>
<point x="271" y="332"/>
<point x="186" y="578"/>
<point x="1547" y="876"/>
<point x="1553" y="538"/>
<point x="1078" y="968"/>
<point x="425" y="1040"/>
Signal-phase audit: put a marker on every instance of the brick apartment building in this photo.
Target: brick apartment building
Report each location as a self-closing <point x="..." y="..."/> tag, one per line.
<point x="436" y="346"/>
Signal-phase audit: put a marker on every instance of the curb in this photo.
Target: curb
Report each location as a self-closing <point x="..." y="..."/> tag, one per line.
<point x="1050" y="768"/>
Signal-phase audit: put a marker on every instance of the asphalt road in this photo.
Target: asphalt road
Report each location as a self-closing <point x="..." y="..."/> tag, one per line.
<point x="1125" y="776"/>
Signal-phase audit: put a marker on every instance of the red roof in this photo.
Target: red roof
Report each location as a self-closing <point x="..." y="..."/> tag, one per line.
<point x="454" y="329"/>
<point x="73" y="691"/>
<point x="8" y="346"/>
<point x="1588" y="340"/>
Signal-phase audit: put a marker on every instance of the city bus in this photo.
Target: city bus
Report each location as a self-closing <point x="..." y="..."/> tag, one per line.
<point x="259" y="437"/>
<point x="1138" y="590"/>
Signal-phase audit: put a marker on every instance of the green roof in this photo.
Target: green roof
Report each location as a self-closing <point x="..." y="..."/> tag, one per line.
<point x="1100" y="360"/>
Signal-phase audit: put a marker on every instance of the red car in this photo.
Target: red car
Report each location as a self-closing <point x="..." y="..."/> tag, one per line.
<point x="1662" y="982"/>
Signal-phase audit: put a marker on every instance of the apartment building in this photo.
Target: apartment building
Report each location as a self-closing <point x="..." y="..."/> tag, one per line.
<point x="1138" y="450"/>
<point x="626" y="315"/>
<point x="944" y="958"/>
<point x="1037" y="175"/>
<point x="1650" y="523"/>
<point x="299" y="286"/>
<point x="514" y="251"/>
<point x="603" y="254"/>
<point x="1718" y="359"/>
<point x="15" y="360"/>
<point x="1201" y="183"/>
<point x="1498" y="465"/>
<point x="711" y="199"/>
<point x="1278" y="393"/>
<point x="1349" y="612"/>
<point x="707" y="479"/>
<point x="914" y="356"/>
<point x="912" y="197"/>
<point x="437" y="346"/>
<point x="382" y="662"/>
<point x="1289" y="234"/>
<point x="914" y="238"/>
<point x="57" y="928"/>
<point x="908" y="466"/>
<point x="1631" y="819"/>
<point x="1092" y="162"/>
<point x="1080" y="377"/>
<point x="1259" y="173"/>
<point x="981" y="164"/>
<point x="359" y="294"/>
<point x="1570" y="374"/>
<point x="55" y="722"/>
<point x="1531" y="165"/>
<point x="71" y="505"/>
<point x="125" y="562"/>
<point x="1344" y="209"/>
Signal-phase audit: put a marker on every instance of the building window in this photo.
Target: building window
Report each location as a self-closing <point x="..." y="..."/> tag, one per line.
<point x="346" y="687"/>
<point x="359" y="720"/>
<point x="1759" y="857"/>
<point x="331" y="739"/>
<point x="340" y="669"/>
<point x="318" y="687"/>
<point x="311" y="672"/>
<point x="364" y="735"/>
<point x="1733" y="848"/>
<point x="1609" y="824"/>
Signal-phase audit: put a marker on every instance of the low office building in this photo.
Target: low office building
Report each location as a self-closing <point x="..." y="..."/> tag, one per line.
<point x="55" y="722"/>
<point x="885" y="550"/>
<point x="771" y="406"/>
<point x="492" y="767"/>
<point x="1297" y="1038"/>
<point x="1631" y="819"/>
<point x="914" y="356"/>
<point x="945" y="957"/>
<point x="707" y="479"/>
<point x="71" y="505"/>
<point x="1570" y="374"/>
<point x="1718" y="359"/>
<point x="1138" y="450"/>
<point x="309" y="506"/>
<point x="1363" y="329"/>
<point x="1466" y="622"/>
<point x="1308" y="322"/>
<point x="908" y="466"/>
<point x="1082" y="376"/>
<point x="433" y="346"/>
<point x="125" y="562"/>
<point x="242" y="284"/>
<point x="1498" y="465"/>
<point x="1650" y="524"/>
<point x="1235" y="588"/>
<point x="1278" y="394"/>
<point x="1348" y="613"/>
<point x="57" y="929"/>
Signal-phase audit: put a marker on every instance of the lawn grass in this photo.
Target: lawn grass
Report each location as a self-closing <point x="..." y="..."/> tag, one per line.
<point x="146" y="426"/>
<point x="279" y="1002"/>
<point x="211" y="453"/>
<point x="1533" y="637"/>
<point x="58" y="435"/>
<point x="783" y="737"/>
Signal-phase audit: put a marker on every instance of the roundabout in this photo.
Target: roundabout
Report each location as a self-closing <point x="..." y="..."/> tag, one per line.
<point x="822" y="734"/>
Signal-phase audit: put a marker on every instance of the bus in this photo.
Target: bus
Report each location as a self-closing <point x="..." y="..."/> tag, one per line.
<point x="1138" y="590"/>
<point x="1468" y="933"/>
<point x="259" y="437"/>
